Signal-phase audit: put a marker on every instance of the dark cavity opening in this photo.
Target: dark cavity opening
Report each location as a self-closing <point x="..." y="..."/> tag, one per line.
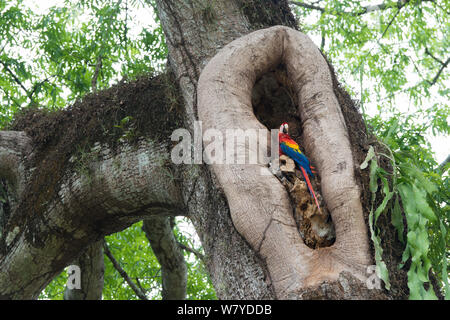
<point x="274" y="101"/>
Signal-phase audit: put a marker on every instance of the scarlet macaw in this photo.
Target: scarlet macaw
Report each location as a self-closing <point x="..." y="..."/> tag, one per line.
<point x="290" y="148"/>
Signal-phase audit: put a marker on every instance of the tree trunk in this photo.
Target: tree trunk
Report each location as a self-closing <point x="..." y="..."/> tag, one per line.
<point x="253" y="249"/>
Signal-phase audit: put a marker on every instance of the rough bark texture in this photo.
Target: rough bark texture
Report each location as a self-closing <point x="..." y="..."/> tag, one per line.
<point x="170" y="256"/>
<point x="236" y="271"/>
<point x="107" y="186"/>
<point x="92" y="268"/>
<point x="126" y="189"/>
<point x="15" y="148"/>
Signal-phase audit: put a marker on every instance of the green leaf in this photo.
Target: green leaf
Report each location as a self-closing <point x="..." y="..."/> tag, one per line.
<point x="397" y="219"/>
<point x="370" y="155"/>
<point x="373" y="184"/>
<point x="424" y="182"/>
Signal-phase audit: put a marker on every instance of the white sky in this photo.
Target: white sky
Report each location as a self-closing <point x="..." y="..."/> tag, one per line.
<point x="143" y="17"/>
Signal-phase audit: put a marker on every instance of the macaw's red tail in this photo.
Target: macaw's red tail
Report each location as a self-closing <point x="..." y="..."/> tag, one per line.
<point x="308" y="183"/>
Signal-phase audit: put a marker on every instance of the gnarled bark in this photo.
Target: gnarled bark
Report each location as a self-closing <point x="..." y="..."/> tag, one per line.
<point x="116" y="191"/>
<point x="15" y="147"/>
<point x="224" y="102"/>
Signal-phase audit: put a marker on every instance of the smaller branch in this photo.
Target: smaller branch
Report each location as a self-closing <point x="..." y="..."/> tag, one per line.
<point x="444" y="163"/>
<point x="381" y="37"/>
<point x="366" y="9"/>
<point x="438" y="74"/>
<point x="322" y="42"/>
<point x="98" y="67"/>
<point x="431" y="55"/>
<point x="123" y="273"/>
<point x="390" y="23"/>
<point x="16" y="79"/>
<point x="197" y="253"/>
<point x="322" y="33"/>
<point x="3" y="47"/>
<point x="39" y="84"/>
<point x="307" y="6"/>
<point x="126" y="27"/>
<point x="443" y="66"/>
<point x="382" y="6"/>
<point x="139" y="285"/>
<point x="417" y="69"/>
<point x="159" y="233"/>
<point x="10" y="97"/>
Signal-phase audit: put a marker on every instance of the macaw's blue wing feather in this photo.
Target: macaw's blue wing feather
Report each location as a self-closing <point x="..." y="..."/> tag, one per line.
<point x="304" y="167"/>
<point x="299" y="158"/>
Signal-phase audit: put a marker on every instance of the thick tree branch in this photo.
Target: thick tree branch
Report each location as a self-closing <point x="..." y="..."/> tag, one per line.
<point x="123" y="273"/>
<point x="15" y="148"/>
<point x="243" y="276"/>
<point x="92" y="268"/>
<point x="129" y="185"/>
<point x="170" y="256"/>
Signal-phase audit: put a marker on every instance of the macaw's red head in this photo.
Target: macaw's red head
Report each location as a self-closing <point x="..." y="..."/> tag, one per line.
<point x="284" y="128"/>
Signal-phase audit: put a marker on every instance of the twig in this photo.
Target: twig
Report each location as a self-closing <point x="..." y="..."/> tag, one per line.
<point x="431" y="55"/>
<point x="39" y="84"/>
<point x="5" y="66"/>
<point x="443" y="66"/>
<point x="123" y="273"/>
<point x="307" y="6"/>
<point x="436" y="77"/>
<point x="382" y="35"/>
<point x="444" y="163"/>
<point x="366" y="9"/>
<point x="390" y="23"/>
<point x="98" y="67"/>
<point x="189" y="249"/>
<point x="139" y="284"/>
<point x="10" y="97"/>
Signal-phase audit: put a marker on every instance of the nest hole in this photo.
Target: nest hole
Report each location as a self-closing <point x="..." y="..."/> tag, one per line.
<point x="274" y="101"/>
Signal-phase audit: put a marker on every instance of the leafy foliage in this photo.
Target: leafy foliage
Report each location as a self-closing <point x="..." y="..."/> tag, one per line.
<point x="424" y="196"/>
<point x="54" y="58"/>
<point x="380" y="47"/>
